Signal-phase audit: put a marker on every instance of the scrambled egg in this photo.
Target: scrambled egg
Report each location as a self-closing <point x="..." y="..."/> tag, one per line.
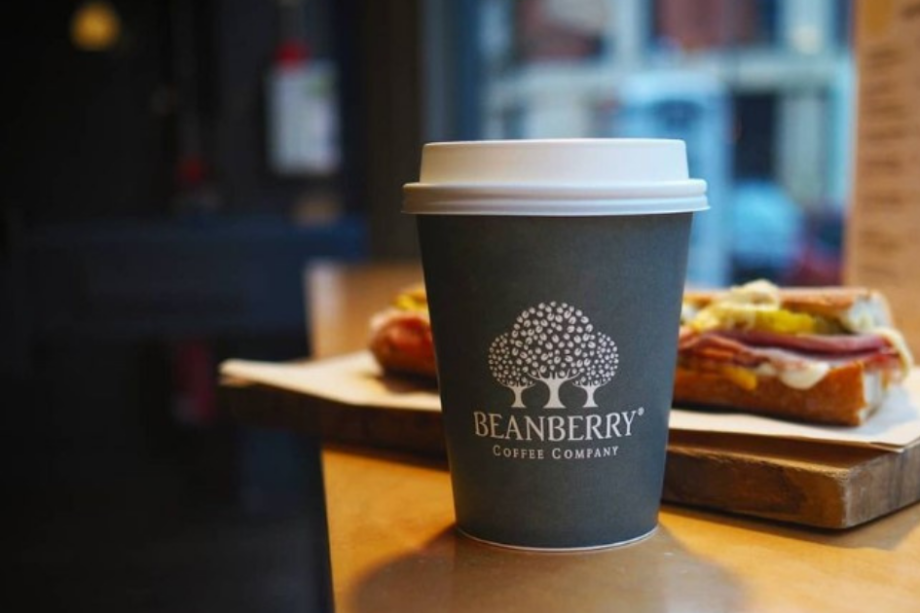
<point x="756" y="306"/>
<point x="412" y="299"/>
<point x="768" y="318"/>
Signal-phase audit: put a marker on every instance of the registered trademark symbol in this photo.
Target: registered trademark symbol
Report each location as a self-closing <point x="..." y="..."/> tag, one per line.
<point x="641" y="411"/>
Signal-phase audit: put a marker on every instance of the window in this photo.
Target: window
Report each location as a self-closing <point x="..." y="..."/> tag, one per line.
<point x="760" y="90"/>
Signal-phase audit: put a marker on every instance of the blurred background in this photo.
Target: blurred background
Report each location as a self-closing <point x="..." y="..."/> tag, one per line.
<point x="171" y="167"/>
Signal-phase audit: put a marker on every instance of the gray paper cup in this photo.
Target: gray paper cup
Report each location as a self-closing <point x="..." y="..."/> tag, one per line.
<point x="554" y="272"/>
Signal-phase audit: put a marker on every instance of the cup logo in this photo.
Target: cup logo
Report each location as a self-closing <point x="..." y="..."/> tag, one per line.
<point x="553" y="344"/>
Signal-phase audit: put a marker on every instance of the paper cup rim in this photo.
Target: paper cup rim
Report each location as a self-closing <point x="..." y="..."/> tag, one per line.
<point x="555" y="200"/>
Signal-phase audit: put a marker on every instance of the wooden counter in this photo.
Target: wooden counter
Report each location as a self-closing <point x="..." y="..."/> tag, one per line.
<point x="393" y="548"/>
<point x="393" y="545"/>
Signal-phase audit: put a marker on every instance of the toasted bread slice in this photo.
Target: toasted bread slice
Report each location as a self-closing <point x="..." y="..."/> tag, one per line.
<point x="401" y="342"/>
<point x="845" y="396"/>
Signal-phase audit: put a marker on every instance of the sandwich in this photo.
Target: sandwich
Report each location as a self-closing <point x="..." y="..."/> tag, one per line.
<point x="818" y="355"/>
<point x="814" y="355"/>
<point x="400" y="336"/>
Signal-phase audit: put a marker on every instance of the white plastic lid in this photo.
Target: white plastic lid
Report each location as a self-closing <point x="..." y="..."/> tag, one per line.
<point x="566" y="177"/>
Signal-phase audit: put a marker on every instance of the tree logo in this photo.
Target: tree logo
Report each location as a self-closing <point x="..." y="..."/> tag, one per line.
<point x="553" y="344"/>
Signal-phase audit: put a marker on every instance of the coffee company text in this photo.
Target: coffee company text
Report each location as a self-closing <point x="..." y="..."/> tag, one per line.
<point x="555" y="428"/>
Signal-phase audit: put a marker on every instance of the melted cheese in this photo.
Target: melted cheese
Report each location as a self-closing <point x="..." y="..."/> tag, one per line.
<point x="760" y="292"/>
<point x="806" y="376"/>
<point x="802" y="376"/>
<point x="865" y="316"/>
<point x="900" y="345"/>
<point x="688" y="313"/>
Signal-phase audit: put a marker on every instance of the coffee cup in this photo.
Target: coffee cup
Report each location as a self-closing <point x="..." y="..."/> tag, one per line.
<point x="554" y="271"/>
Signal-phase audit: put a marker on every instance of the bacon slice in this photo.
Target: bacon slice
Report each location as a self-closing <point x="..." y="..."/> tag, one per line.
<point x="751" y="349"/>
<point x="832" y="344"/>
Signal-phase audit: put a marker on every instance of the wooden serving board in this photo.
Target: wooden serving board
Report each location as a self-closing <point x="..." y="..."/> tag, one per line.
<point x="818" y="484"/>
<point x="812" y="483"/>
